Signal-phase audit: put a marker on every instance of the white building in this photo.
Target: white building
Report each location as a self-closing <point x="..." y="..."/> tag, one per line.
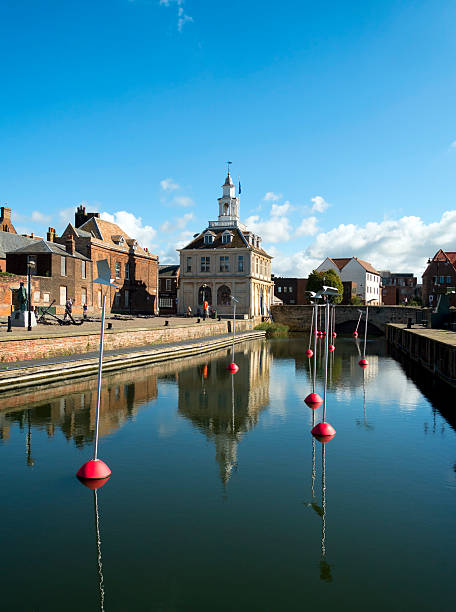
<point x="224" y="260"/>
<point x="352" y="269"/>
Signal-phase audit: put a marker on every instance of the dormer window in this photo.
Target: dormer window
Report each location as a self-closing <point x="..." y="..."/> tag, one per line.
<point x="208" y="238"/>
<point x="118" y="239"/>
<point x="227" y="237"/>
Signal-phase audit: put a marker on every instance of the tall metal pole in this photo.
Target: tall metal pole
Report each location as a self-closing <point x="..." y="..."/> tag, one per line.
<point x="326" y="358"/>
<point x="29" y="291"/>
<point x="100" y="365"/>
<point x="315" y="349"/>
<point x="234" y="328"/>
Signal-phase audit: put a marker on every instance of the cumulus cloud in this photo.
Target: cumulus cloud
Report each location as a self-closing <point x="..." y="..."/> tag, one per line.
<point x="319" y="204"/>
<point x="278" y="210"/>
<point x="453" y="144"/>
<point x="183" y="201"/>
<point x="177" y="224"/>
<point x="133" y="226"/>
<point x="169" y="184"/>
<point x="270" y="196"/>
<point x="399" y="245"/>
<point x="308" y="227"/>
<point x="275" y="229"/>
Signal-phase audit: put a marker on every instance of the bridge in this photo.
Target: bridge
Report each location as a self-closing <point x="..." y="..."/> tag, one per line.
<point x="298" y="318"/>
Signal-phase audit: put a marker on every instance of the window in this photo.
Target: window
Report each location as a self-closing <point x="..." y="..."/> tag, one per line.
<point x="442" y="279"/>
<point x="448" y="279"/>
<point x="285" y="289"/>
<point x="241" y="263"/>
<point x="118" y="268"/>
<point x="279" y="289"/>
<point x="205" y="264"/>
<point x="208" y="238"/>
<point x="290" y="289"/>
<point x="224" y="296"/>
<point x="165" y="302"/>
<point x="83" y="269"/>
<point x="227" y="237"/>
<point x="189" y="264"/>
<point x="168" y="284"/>
<point x="224" y="263"/>
<point x="435" y="279"/>
<point x="127" y="271"/>
<point x="46" y="297"/>
<point x="63" y="266"/>
<point x="83" y="295"/>
<point x="63" y="295"/>
<point x="256" y="265"/>
<point x="36" y="296"/>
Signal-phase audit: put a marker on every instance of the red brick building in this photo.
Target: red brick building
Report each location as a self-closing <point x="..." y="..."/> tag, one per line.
<point x="134" y="269"/>
<point x="168" y="279"/>
<point x="438" y="276"/>
<point x="290" y="290"/>
<point x="399" y="288"/>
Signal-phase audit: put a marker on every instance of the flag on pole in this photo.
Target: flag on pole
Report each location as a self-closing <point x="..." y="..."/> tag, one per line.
<point x="239" y="188"/>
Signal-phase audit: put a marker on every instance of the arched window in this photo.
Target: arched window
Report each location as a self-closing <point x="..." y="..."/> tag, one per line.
<point x="224" y="296"/>
<point x="204" y="293"/>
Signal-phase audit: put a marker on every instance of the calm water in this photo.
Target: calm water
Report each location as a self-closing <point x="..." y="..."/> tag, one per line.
<point x="221" y="500"/>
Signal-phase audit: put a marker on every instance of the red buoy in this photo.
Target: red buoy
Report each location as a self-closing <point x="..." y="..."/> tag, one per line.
<point x="233" y="368"/>
<point x="355" y="334"/>
<point x="94" y="469"/>
<point x="309" y="353"/>
<point x="94" y="483"/>
<point x="324" y="439"/>
<point x="331" y="348"/>
<point x="363" y="363"/>
<point x="334" y="335"/>
<point x="314" y="401"/>
<point x="324" y="430"/>
<point x="323" y="333"/>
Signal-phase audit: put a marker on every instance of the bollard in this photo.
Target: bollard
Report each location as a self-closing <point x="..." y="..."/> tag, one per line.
<point x="219" y="318"/>
<point x="109" y="325"/>
<point x="198" y="321"/>
<point x="166" y="323"/>
<point x="229" y="326"/>
<point x="409" y="323"/>
<point x="9" y="325"/>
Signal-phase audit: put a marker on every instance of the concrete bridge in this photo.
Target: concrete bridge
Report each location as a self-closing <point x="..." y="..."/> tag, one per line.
<point x="298" y="318"/>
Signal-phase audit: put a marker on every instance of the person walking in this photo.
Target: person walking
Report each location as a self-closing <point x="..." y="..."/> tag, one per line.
<point x="68" y="309"/>
<point x="84" y="312"/>
<point x="189" y="311"/>
<point x="205" y="309"/>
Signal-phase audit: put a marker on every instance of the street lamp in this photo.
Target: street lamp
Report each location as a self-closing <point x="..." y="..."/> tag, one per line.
<point x="232" y="367"/>
<point x="31" y="264"/>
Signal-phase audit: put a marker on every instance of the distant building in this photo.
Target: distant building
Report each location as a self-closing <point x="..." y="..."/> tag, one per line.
<point x="290" y="290"/>
<point x="399" y="287"/>
<point x="225" y="260"/>
<point x="438" y="276"/>
<point x="168" y="282"/>
<point x="360" y="273"/>
<point x="6" y="224"/>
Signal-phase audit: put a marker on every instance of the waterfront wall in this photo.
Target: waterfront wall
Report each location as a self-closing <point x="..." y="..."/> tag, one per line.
<point x="434" y="350"/>
<point x="64" y="343"/>
<point x="298" y="318"/>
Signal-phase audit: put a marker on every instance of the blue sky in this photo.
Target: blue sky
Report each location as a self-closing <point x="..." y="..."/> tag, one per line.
<point x="338" y="116"/>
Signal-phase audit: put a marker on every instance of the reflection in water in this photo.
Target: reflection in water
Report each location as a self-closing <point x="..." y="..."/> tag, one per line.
<point x="98" y="539"/>
<point x="28" y="441"/>
<point x="365" y="424"/>
<point x="223" y="406"/>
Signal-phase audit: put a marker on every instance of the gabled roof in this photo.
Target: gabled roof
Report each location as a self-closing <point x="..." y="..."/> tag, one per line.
<point x="367" y="266"/>
<point x="11" y="242"/>
<point x="239" y="241"/>
<point x="340" y="262"/>
<point x="109" y="233"/>
<point x="43" y="246"/>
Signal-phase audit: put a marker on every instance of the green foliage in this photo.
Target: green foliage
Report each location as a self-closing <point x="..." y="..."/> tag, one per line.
<point x="414" y="302"/>
<point x="7" y="274"/>
<point x="356" y="301"/>
<point x="273" y="330"/>
<point x="330" y="278"/>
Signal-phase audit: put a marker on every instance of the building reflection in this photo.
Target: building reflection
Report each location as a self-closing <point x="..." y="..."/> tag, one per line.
<point x="224" y="406"/>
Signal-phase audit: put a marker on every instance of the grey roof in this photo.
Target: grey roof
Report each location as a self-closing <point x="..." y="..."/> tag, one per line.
<point x="43" y="246"/>
<point x="168" y="269"/>
<point x="11" y="242"/>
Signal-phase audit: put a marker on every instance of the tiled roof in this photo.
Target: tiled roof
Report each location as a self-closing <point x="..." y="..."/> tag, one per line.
<point x="105" y="231"/>
<point x="367" y="266"/>
<point x="239" y="241"/>
<point x="168" y="270"/>
<point x="340" y="262"/>
<point x="43" y="246"/>
<point x="11" y="242"/>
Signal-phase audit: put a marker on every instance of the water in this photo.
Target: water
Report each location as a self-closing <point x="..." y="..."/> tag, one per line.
<point x="220" y="499"/>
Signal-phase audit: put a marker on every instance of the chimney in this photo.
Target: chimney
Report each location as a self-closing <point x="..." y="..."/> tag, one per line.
<point x="5" y="220"/>
<point x="81" y="216"/>
<point x="70" y="245"/>
<point x="51" y="234"/>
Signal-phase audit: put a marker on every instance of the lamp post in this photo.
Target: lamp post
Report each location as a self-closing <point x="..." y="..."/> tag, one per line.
<point x="232" y="367"/>
<point x="30" y="264"/>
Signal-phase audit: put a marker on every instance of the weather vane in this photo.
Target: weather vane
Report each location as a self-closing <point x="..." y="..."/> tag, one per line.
<point x="228" y="164"/>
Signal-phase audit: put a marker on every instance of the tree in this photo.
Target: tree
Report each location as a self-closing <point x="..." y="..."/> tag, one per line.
<point x="330" y="278"/>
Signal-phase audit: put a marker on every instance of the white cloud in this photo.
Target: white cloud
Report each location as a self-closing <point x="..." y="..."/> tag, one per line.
<point x="39" y="217"/>
<point x="182" y="17"/>
<point x="133" y="226"/>
<point x="275" y="229"/>
<point x="271" y="196"/>
<point x="279" y="210"/>
<point x="183" y="201"/>
<point x="319" y="204"/>
<point x="308" y="227"/>
<point x="177" y="224"/>
<point x="399" y="245"/>
<point x="169" y="184"/>
<point x="66" y="215"/>
<point x="453" y="144"/>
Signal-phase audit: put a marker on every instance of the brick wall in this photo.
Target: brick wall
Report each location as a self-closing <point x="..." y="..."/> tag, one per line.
<point x="7" y="283"/>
